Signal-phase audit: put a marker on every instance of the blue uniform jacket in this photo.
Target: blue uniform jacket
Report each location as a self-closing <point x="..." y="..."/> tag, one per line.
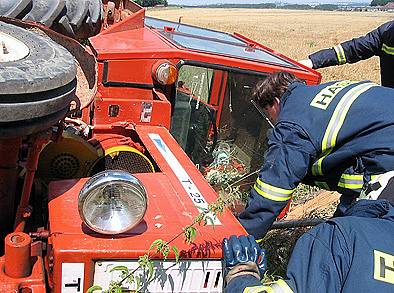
<point x="337" y="135"/>
<point x="379" y="42"/>
<point x="348" y="254"/>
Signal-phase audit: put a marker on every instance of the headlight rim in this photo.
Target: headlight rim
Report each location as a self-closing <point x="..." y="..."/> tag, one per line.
<point x="111" y="176"/>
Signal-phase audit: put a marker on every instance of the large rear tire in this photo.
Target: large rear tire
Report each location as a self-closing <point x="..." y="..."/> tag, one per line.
<point x="37" y="81"/>
<point x="76" y="18"/>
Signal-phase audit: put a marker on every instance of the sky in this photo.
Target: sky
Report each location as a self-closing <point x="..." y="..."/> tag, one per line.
<point x="202" y="2"/>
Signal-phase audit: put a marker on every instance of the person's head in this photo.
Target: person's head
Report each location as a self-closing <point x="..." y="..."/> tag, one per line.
<point x="269" y="91"/>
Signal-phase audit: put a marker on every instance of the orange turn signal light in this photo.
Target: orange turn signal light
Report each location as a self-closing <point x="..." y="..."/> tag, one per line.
<point x="165" y="73"/>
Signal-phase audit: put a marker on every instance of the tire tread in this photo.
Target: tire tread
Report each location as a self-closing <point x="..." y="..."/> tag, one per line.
<point x="76" y="18"/>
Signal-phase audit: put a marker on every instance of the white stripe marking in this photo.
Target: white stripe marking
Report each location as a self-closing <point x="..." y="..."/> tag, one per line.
<point x="184" y="178"/>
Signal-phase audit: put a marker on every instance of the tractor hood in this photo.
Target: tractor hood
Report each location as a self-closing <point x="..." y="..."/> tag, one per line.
<point x="172" y="206"/>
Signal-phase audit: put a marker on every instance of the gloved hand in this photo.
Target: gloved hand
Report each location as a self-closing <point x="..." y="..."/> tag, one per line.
<point x="243" y="256"/>
<point x="306" y="62"/>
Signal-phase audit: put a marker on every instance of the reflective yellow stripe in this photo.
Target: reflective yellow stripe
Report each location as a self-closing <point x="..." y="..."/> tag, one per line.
<point x="351" y="181"/>
<point x="353" y="176"/>
<point x="354" y="186"/>
<point x="272" y="192"/>
<point x="281" y="286"/>
<point x="387" y="49"/>
<point x="340" y="54"/>
<point x="336" y="122"/>
<point x="373" y="177"/>
<point x="257" y="289"/>
<point x="259" y="240"/>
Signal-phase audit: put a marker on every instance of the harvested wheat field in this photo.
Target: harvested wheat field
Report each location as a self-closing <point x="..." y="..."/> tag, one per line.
<point x="295" y="33"/>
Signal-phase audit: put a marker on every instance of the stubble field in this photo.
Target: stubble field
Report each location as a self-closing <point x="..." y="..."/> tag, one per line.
<point x="295" y="33"/>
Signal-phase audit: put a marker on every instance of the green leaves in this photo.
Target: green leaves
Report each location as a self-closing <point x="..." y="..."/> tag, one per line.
<point x="161" y="247"/>
<point x="146" y="264"/>
<point x="164" y="248"/>
<point x="190" y="234"/>
<point x="176" y="252"/>
<point x="94" y="288"/>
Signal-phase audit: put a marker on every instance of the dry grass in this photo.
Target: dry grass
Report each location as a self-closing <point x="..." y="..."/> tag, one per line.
<point x="291" y="32"/>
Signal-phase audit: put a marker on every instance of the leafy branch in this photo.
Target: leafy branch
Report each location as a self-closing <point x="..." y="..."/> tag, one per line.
<point x="161" y="247"/>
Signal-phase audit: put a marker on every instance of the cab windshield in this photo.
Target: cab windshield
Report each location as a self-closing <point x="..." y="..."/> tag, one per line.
<point x="215" y="122"/>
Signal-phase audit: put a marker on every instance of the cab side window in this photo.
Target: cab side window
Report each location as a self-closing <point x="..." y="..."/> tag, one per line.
<point x="192" y="117"/>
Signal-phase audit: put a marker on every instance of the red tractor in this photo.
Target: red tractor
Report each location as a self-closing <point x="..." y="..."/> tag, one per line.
<point x="102" y="145"/>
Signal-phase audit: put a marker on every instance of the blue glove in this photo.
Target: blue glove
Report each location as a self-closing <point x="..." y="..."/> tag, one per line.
<point x="242" y="255"/>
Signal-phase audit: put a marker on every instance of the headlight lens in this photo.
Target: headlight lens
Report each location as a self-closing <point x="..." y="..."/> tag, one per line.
<point x="112" y="202"/>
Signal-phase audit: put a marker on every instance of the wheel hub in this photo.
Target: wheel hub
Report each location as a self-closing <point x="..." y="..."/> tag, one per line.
<point x="12" y="49"/>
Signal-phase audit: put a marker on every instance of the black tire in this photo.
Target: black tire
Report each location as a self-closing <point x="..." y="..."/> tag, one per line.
<point x="76" y="18"/>
<point x="37" y="87"/>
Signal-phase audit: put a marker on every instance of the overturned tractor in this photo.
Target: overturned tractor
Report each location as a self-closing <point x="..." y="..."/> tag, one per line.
<point x="102" y="145"/>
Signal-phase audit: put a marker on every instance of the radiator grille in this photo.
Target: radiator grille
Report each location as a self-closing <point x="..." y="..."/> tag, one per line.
<point x="186" y="276"/>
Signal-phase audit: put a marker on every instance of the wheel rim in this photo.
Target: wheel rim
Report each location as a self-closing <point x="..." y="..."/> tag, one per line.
<point x="11" y="49"/>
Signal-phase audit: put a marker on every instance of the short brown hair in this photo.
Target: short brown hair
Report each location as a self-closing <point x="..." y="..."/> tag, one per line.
<point x="273" y="86"/>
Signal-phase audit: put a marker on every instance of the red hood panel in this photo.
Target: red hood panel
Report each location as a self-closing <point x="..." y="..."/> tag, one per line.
<point x="170" y="208"/>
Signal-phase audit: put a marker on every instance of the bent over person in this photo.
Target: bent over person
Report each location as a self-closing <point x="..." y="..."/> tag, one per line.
<point x="348" y="254"/>
<point x="333" y="135"/>
<point x="379" y="42"/>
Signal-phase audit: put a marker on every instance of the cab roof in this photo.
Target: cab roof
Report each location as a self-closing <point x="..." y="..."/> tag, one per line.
<point x="142" y="37"/>
<point x="216" y="42"/>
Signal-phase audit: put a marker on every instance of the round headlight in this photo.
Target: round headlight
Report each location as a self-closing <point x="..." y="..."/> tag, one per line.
<point x="112" y="202"/>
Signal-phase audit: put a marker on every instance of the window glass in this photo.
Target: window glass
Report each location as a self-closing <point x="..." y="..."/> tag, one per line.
<point x="191" y="30"/>
<point x="241" y="126"/>
<point x="206" y="40"/>
<point x="213" y="46"/>
<point x="192" y="116"/>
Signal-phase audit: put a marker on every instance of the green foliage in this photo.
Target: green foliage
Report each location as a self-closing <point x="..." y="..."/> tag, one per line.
<point x="150" y="3"/>
<point x="176" y="252"/>
<point x="147" y="265"/>
<point x="94" y="288"/>
<point x="327" y="7"/>
<point x="162" y="247"/>
<point x="380" y="2"/>
<point x="297" y="6"/>
<point x="190" y="234"/>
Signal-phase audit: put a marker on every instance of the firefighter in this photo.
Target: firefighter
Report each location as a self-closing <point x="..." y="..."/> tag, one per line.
<point x="379" y="42"/>
<point x="346" y="254"/>
<point x="333" y="135"/>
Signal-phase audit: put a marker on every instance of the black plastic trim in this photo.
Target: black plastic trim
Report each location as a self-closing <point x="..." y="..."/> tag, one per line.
<point x="220" y="67"/>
